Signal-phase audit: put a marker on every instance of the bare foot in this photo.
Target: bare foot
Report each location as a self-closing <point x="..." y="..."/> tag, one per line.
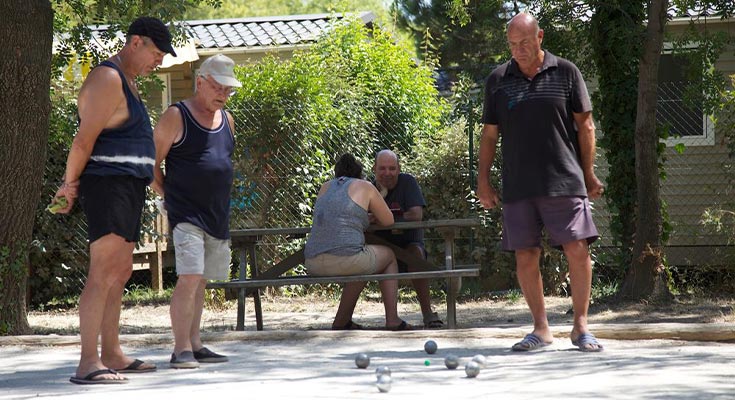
<point x="87" y="370"/>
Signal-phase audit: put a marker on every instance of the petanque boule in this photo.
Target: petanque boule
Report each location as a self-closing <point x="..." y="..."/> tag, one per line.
<point x="430" y="346"/>
<point x="472" y="369"/>
<point x="362" y="360"/>
<point x="480" y="360"/>
<point x="382" y="370"/>
<point x="451" y="361"/>
<point x="384" y="383"/>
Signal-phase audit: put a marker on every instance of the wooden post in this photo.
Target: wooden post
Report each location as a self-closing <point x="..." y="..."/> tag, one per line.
<point x="156" y="261"/>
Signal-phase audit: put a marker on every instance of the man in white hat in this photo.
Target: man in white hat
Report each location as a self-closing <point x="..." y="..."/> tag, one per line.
<point x="196" y="138"/>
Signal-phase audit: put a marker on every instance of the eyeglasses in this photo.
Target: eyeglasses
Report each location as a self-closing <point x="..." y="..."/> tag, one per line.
<point x="226" y="90"/>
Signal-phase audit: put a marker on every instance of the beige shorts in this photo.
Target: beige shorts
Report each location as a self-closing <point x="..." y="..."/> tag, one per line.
<point x="325" y="264"/>
<point x="199" y="253"/>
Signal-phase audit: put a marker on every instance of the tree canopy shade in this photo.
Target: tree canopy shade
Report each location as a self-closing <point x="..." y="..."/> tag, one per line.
<point x="469" y="35"/>
<point x="26" y="67"/>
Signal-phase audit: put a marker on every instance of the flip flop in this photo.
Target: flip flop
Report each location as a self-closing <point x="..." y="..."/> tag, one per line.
<point x="89" y="379"/>
<point x="529" y="343"/>
<point x="585" y="339"/>
<point x="134" y="368"/>
<point x="349" y="326"/>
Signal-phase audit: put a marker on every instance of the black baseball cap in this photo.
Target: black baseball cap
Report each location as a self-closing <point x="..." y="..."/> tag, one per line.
<point x="154" y="29"/>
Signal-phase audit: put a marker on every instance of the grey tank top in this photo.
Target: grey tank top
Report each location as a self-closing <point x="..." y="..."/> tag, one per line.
<point x="339" y="223"/>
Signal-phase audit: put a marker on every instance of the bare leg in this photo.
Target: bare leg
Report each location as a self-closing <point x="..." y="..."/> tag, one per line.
<point x="196" y="322"/>
<point x="580" y="271"/>
<point x="110" y="264"/>
<point x="182" y="311"/>
<point x="350" y="294"/>
<point x="423" y="295"/>
<point x="529" y="277"/>
<point x="386" y="264"/>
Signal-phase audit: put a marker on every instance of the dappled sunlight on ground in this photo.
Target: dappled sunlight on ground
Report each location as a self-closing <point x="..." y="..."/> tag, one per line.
<point x="313" y="312"/>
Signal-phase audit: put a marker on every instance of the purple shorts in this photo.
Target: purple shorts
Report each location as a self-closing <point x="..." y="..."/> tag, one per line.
<point x="566" y="219"/>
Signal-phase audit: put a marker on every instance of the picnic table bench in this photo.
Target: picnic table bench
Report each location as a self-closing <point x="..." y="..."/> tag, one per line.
<point x="246" y="241"/>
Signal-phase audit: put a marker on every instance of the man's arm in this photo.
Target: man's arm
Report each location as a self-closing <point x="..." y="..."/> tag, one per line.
<point x="586" y="139"/>
<point x="415" y="213"/>
<point x="100" y="96"/>
<point x="167" y="131"/>
<point x="488" y="146"/>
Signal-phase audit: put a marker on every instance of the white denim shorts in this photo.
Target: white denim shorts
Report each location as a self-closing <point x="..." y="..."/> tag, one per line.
<point x="325" y="264"/>
<point x="199" y="253"/>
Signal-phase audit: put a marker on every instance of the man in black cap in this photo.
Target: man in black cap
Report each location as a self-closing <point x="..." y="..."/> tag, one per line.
<point x="155" y="30"/>
<point x="110" y="164"/>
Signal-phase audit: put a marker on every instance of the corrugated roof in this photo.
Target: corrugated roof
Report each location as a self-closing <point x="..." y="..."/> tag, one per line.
<point x="253" y="32"/>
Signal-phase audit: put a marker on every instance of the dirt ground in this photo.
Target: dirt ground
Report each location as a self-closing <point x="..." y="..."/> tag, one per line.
<point x="312" y="312"/>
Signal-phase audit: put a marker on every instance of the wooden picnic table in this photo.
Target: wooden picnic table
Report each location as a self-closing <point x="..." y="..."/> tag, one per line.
<point x="246" y="240"/>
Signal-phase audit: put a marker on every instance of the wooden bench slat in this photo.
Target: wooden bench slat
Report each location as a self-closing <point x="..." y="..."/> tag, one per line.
<point x="461" y="270"/>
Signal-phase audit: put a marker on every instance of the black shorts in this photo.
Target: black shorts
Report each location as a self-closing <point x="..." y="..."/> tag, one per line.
<point x="112" y="204"/>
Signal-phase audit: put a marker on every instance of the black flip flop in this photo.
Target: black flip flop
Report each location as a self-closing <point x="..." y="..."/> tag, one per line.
<point x="89" y="379"/>
<point x="134" y="368"/>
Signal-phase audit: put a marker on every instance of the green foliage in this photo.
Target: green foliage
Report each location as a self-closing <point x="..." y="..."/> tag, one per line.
<point x="617" y="32"/>
<point x="57" y="264"/>
<point x="354" y="91"/>
<point x="443" y="169"/>
<point x="136" y="295"/>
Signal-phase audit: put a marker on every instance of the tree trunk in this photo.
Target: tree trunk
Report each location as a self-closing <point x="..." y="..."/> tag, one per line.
<point x="646" y="278"/>
<point x="616" y="34"/>
<point x="25" y="66"/>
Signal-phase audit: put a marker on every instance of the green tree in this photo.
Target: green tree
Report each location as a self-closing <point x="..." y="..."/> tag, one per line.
<point x="469" y="35"/>
<point x="28" y="30"/>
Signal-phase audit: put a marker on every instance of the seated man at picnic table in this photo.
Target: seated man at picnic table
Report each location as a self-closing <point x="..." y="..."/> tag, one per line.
<point x="336" y="244"/>
<point x="403" y="196"/>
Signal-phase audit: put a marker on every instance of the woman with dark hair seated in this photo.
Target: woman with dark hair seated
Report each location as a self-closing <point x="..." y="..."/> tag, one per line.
<point x="336" y="245"/>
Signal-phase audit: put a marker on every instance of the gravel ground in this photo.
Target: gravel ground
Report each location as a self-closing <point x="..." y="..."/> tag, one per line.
<point x="313" y="312"/>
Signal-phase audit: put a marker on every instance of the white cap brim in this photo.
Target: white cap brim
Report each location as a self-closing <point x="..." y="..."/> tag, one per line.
<point x="226" y="80"/>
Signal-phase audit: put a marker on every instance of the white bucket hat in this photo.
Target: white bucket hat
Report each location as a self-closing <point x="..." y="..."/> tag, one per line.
<point x="222" y="69"/>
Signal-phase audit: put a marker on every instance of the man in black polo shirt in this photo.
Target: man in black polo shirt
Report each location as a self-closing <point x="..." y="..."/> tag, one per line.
<point x="539" y="103"/>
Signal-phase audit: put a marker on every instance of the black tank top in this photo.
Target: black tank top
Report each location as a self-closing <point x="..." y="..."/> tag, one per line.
<point x="128" y="149"/>
<point x="199" y="176"/>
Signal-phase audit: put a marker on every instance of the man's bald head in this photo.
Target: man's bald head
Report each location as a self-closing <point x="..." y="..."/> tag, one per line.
<point x="386" y="169"/>
<point x="525" y="22"/>
<point x="524" y="40"/>
<point x="386" y="154"/>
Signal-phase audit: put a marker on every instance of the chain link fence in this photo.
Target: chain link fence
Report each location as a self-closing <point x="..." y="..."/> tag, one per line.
<point x="277" y="178"/>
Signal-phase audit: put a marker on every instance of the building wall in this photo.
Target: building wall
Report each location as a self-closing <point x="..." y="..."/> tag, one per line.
<point x="696" y="180"/>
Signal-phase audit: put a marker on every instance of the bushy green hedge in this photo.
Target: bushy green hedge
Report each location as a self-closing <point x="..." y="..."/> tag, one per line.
<point x="354" y="91"/>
